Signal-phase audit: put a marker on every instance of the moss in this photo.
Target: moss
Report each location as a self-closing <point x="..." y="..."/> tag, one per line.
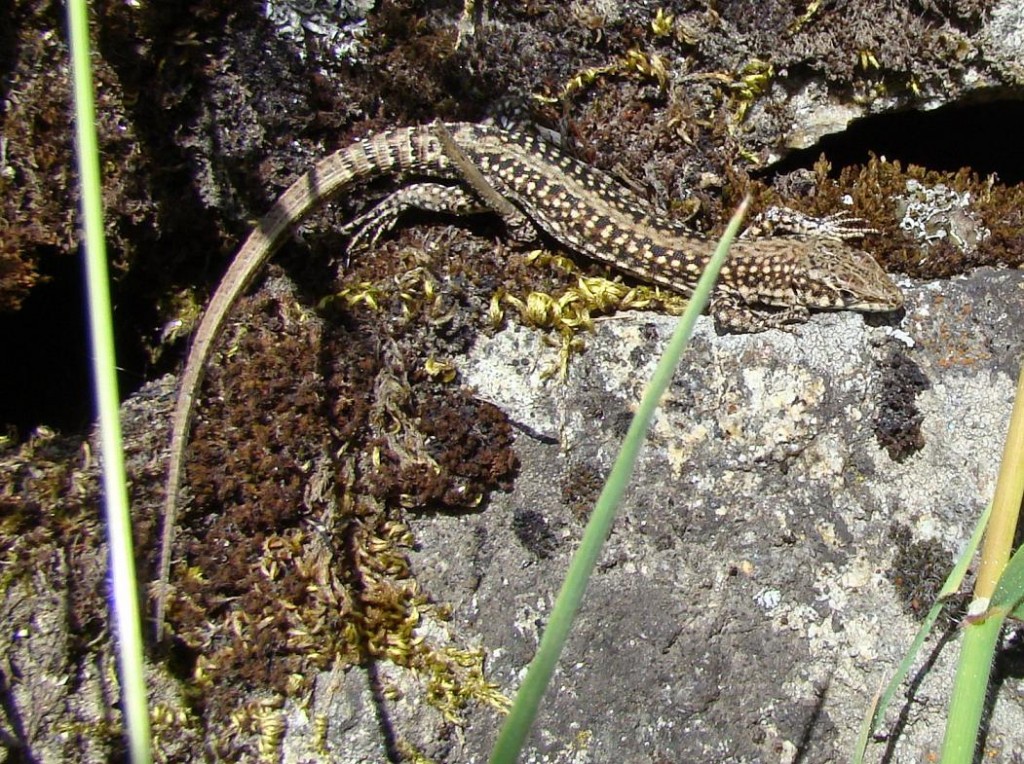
<point x="38" y="193"/>
<point x="897" y="422"/>
<point x="311" y="442"/>
<point x="918" y="571"/>
<point x="873" y="191"/>
<point x="580" y="490"/>
<point x="534" y="532"/>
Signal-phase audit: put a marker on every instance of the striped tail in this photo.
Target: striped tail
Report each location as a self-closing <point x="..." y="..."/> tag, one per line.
<point x="402" y="151"/>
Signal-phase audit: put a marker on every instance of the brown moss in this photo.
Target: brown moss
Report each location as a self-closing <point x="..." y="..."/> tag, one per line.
<point x="470" y="450"/>
<point x="876" y="187"/>
<point x="897" y="422"/>
<point x="53" y="593"/>
<point x="260" y="474"/>
<point x="292" y="553"/>
<point x="918" y="572"/>
<point x="581" y="489"/>
<point x="38" y="191"/>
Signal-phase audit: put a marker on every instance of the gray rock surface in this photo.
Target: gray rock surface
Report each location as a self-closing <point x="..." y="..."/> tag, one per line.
<point x="743" y="609"/>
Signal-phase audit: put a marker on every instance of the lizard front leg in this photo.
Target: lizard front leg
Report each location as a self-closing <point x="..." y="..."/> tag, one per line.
<point x="842" y="226"/>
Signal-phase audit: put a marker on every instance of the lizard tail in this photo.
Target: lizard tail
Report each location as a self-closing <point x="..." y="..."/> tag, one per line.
<point x="393" y="152"/>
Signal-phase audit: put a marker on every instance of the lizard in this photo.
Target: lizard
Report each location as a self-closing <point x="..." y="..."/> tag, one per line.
<point x="535" y="187"/>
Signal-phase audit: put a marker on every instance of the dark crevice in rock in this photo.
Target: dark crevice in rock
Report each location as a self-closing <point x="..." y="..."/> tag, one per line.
<point x="984" y="136"/>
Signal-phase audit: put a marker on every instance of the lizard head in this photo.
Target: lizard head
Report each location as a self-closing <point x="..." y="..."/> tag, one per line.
<point x="841" y="277"/>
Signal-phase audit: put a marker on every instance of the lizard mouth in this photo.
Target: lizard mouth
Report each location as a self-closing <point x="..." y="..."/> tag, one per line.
<point x="882" y="301"/>
<point x="880" y="296"/>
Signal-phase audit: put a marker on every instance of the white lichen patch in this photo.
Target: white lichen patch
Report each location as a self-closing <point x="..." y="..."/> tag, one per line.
<point x="932" y="214"/>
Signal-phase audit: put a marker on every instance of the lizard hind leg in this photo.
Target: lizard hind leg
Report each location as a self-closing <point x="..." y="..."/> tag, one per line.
<point x="366" y="229"/>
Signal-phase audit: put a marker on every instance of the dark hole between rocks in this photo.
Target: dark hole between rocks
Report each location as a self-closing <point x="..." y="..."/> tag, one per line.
<point x="982" y="136"/>
<point x="46" y="377"/>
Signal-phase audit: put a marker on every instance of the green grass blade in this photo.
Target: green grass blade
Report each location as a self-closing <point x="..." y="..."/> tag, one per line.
<point x="969" y="690"/>
<point x="524" y="709"/>
<point x="125" y="589"/>
<point x="981" y="631"/>
<point x="1009" y="594"/>
<point x="952" y="584"/>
